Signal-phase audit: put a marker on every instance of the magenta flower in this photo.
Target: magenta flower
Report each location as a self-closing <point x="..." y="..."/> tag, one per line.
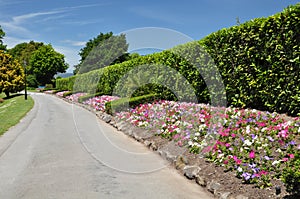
<point x="252" y="155"/>
<point x="291" y="156"/>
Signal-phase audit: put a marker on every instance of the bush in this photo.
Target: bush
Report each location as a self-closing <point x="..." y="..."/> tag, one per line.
<point x="31" y="81"/>
<point x="291" y="175"/>
<point x="48" y="86"/>
<point x="124" y="103"/>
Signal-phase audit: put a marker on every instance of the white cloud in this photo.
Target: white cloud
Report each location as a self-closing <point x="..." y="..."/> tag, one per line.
<point x="71" y="55"/>
<point x="75" y="43"/>
<point x="12" y="41"/>
<point x="22" y="18"/>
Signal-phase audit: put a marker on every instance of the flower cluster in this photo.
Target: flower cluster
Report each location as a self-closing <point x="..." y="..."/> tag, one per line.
<point x="61" y="93"/>
<point x="254" y="144"/>
<point x="98" y="102"/>
<point x="49" y="91"/>
<point x="74" y="97"/>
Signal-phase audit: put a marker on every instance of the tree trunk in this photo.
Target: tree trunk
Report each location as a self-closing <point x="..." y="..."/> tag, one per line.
<point x="6" y="93"/>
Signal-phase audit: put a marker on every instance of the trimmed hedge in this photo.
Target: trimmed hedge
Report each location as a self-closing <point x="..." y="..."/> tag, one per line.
<point x="258" y="62"/>
<point x="125" y="103"/>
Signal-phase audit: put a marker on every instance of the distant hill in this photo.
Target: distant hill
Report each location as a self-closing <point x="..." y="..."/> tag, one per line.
<point x="63" y="75"/>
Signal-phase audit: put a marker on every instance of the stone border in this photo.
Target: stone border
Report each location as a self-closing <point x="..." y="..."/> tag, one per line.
<point x="169" y="152"/>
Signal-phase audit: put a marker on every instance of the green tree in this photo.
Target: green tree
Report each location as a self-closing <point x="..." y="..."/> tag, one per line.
<point x="45" y="63"/>
<point x="2" y="34"/>
<point x="11" y="74"/>
<point x="23" y="52"/>
<point x="105" y="49"/>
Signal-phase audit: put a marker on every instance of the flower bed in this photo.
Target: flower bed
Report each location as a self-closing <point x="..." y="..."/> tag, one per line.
<point x="98" y="102"/>
<point x="61" y="93"/>
<point x="257" y="146"/>
<point x="74" y="97"/>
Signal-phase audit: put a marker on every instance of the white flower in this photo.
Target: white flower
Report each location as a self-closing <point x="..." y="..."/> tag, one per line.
<point x="190" y="143"/>
<point x="240" y="169"/>
<point x="177" y="130"/>
<point x="248" y="129"/>
<point x="265" y="145"/>
<point x="278" y="150"/>
<point x="220" y="155"/>
<point x="247" y="142"/>
<point x="264" y="129"/>
<point x="197" y="134"/>
<point x="275" y="162"/>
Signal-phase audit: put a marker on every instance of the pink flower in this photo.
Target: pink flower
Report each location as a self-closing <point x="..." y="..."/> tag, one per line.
<point x="233" y="135"/>
<point x="227" y="145"/>
<point x="283" y="133"/>
<point x="238" y="161"/>
<point x="291" y="156"/>
<point x="285" y="159"/>
<point x="252" y="155"/>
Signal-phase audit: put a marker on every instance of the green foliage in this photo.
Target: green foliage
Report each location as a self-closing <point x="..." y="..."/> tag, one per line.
<point x="259" y="61"/>
<point x="124" y="103"/>
<point x="291" y="175"/>
<point x="31" y="81"/>
<point x="11" y="74"/>
<point x="23" y="52"/>
<point x="2" y="34"/>
<point x="105" y="49"/>
<point x="45" y="63"/>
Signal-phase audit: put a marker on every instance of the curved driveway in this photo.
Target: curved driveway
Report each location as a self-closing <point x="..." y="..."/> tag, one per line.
<point x="63" y="151"/>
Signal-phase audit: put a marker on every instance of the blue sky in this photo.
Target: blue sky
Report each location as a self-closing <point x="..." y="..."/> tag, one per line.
<point x="69" y="24"/>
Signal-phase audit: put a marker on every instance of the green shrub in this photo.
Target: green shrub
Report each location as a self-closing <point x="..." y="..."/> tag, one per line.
<point x="31" y="81"/>
<point x="124" y="103"/>
<point x="291" y="175"/>
<point x="48" y="86"/>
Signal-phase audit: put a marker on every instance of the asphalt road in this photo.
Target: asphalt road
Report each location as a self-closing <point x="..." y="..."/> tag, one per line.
<point x="60" y="150"/>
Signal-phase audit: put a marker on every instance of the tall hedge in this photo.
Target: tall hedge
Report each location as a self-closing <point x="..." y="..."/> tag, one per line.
<point x="258" y="62"/>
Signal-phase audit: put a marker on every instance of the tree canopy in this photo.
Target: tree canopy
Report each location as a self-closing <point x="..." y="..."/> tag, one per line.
<point x="11" y="74"/>
<point x="23" y="51"/>
<point x="2" y="34"/>
<point x="103" y="50"/>
<point x="45" y="62"/>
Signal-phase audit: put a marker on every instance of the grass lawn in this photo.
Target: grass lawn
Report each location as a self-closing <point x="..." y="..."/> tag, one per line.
<point x="12" y="110"/>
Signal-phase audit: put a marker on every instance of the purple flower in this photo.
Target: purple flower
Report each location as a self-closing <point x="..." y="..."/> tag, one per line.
<point x="246" y="176"/>
<point x="253" y="136"/>
<point x="267" y="158"/>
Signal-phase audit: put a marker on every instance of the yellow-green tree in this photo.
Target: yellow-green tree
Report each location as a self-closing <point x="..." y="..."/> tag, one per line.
<point x="11" y="74"/>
